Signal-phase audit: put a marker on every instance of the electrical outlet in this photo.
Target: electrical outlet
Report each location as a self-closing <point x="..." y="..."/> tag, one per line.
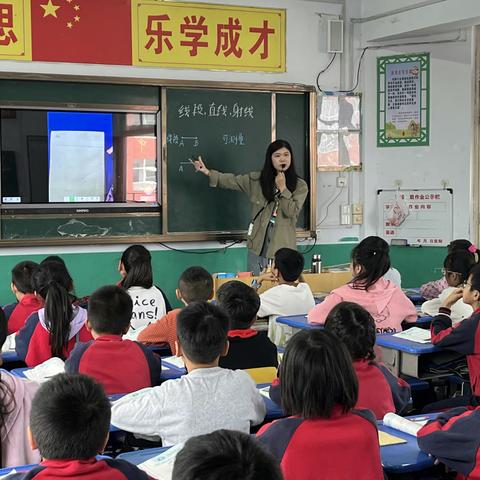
<point x="341" y="182"/>
<point x="357" y="219"/>
<point x="357" y="208"/>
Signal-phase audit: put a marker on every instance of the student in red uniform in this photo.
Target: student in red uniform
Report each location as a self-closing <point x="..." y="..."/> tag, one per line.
<point x="225" y="454"/>
<point x="453" y="439"/>
<point x="27" y="302"/>
<point x="323" y="437"/>
<point x="464" y="338"/>
<point x="121" y="366"/>
<point x="194" y="285"/>
<point x="69" y="424"/>
<point x="53" y="330"/>
<point x="378" y="389"/>
<point x="248" y="348"/>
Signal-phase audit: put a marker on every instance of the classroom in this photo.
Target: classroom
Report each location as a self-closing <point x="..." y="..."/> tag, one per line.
<point x="201" y="195"/>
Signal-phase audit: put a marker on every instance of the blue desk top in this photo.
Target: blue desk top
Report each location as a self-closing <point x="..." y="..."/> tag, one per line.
<point x="414" y="295"/>
<point x="297" y="321"/>
<point x="403" y="345"/>
<point x="401" y="458"/>
<point x="404" y="457"/>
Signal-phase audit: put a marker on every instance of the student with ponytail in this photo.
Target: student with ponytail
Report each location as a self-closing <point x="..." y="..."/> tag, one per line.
<point x="149" y="302"/>
<point x="54" y="329"/>
<point x="384" y="300"/>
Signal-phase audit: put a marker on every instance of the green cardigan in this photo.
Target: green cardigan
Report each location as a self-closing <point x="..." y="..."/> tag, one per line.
<point x="291" y="203"/>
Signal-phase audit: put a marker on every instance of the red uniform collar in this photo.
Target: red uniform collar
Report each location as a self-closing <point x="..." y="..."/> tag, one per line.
<point x="107" y="337"/>
<point x="30" y="299"/>
<point x="246" y="333"/>
<point x="477" y="310"/>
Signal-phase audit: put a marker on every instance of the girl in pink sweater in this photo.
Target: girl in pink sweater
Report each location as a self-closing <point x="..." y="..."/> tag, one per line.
<point x="386" y="302"/>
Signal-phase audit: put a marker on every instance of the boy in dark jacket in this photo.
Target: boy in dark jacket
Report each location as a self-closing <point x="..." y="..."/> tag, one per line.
<point x="248" y="347"/>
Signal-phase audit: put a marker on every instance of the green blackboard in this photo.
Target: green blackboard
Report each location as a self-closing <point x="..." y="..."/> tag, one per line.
<point x="292" y="112"/>
<point x="230" y="129"/>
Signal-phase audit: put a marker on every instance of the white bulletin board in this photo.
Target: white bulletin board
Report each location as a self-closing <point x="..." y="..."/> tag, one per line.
<point x="430" y="218"/>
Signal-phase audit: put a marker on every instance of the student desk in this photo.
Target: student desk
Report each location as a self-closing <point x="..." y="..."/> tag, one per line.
<point x="168" y="373"/>
<point x="401" y="458"/>
<point x="323" y="282"/>
<point x="404" y="457"/>
<point x="403" y="356"/>
<point x="297" y="321"/>
<point x="414" y="295"/>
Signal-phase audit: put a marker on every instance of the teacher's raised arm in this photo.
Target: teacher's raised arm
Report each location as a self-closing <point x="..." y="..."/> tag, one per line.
<point x="276" y="195"/>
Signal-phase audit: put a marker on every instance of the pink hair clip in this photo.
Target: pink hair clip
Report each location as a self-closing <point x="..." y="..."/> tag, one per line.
<point x="472" y="248"/>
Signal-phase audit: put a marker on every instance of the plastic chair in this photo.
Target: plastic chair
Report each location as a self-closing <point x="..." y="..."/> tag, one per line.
<point x="262" y="374"/>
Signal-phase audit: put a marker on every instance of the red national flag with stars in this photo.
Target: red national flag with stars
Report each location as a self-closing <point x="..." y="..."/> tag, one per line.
<point x="82" y="31"/>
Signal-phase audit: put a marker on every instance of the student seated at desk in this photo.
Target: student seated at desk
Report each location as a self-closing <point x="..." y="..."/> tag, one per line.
<point x="453" y="439"/>
<point x="27" y="302"/>
<point x="248" y="348"/>
<point x="194" y="285"/>
<point x="53" y="330"/>
<point x="378" y="389"/>
<point x="70" y="424"/>
<point x="16" y="395"/>
<point x="149" y="301"/>
<point x="121" y="366"/>
<point x="387" y="304"/>
<point x="290" y="296"/>
<point x="323" y="437"/>
<point x="464" y="338"/>
<point x="456" y="268"/>
<point x="207" y="399"/>
<point x="434" y="288"/>
<point x="225" y="454"/>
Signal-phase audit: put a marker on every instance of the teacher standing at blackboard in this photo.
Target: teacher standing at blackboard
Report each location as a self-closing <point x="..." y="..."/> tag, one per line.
<point x="277" y="195"/>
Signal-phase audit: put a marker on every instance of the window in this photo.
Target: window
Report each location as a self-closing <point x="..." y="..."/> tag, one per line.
<point x="338" y="133"/>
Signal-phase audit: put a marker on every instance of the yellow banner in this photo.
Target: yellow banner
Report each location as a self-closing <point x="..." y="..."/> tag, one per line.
<point x="207" y="36"/>
<point x="15" y="30"/>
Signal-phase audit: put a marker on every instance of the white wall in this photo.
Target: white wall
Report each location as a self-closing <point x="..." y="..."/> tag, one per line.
<point x="451" y="118"/>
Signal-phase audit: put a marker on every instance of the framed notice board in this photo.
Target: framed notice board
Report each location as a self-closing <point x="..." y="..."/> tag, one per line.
<point x="429" y="221"/>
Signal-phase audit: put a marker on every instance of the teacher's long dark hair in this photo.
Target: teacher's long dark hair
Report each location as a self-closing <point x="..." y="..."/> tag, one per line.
<point x="267" y="177"/>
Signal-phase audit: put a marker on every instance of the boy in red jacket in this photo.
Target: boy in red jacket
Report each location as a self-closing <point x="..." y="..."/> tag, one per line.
<point x="27" y="302"/>
<point x="121" y="366"/>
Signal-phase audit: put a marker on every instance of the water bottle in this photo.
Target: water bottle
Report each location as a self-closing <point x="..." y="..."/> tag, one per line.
<point x="316" y="263"/>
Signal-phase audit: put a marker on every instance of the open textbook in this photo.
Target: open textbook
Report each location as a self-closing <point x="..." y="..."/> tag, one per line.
<point x="402" y="424"/>
<point x="161" y="466"/>
<point x="415" y="334"/>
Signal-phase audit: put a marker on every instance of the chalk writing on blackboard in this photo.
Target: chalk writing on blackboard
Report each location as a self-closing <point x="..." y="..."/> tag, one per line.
<point x="234" y="139"/>
<point x="215" y="110"/>
<point x="181" y="140"/>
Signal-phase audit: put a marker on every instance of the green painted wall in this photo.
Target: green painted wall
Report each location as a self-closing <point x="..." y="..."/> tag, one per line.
<point x="92" y="270"/>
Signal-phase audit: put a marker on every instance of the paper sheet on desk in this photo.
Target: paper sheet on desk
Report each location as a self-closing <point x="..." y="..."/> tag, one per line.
<point x="385" y="439"/>
<point x="161" y="466"/>
<point x="46" y="370"/>
<point x="175" y="361"/>
<point x="265" y="391"/>
<point x="415" y="334"/>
